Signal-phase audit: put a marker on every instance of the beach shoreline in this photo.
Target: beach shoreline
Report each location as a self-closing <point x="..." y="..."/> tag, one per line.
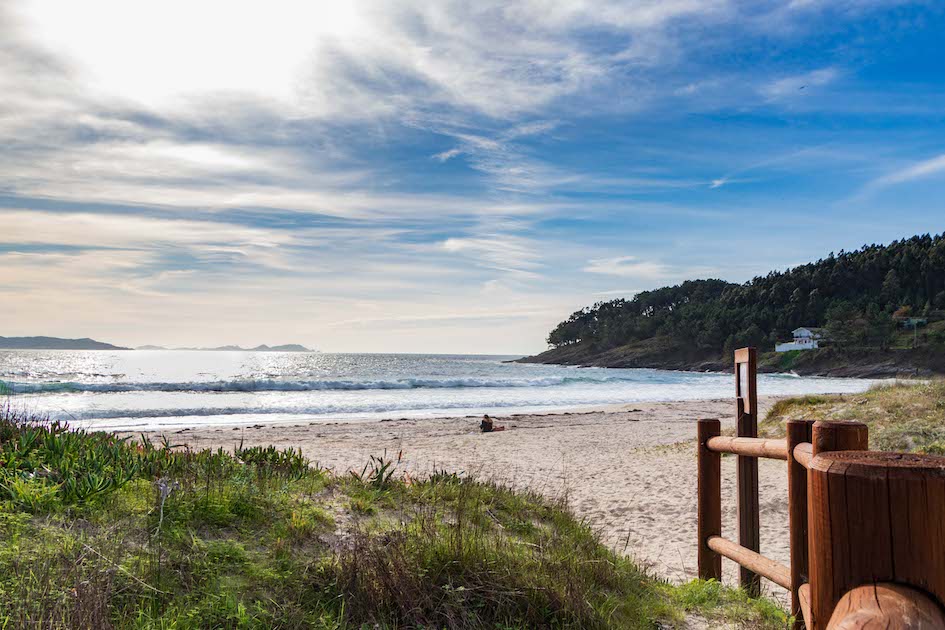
<point x="629" y="470"/>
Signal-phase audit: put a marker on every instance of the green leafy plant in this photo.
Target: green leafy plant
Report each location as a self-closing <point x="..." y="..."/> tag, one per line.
<point x="378" y="472"/>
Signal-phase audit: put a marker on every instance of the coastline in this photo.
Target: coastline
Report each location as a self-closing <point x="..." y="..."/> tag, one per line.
<point x="829" y="362"/>
<point x="629" y="470"/>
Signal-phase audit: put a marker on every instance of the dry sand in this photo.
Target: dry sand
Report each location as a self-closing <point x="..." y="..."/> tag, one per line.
<point x="630" y="472"/>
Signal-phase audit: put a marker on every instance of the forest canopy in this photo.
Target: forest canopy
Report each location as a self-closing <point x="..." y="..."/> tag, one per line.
<point x="854" y="295"/>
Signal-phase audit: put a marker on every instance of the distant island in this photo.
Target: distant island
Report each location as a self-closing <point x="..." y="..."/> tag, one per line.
<point x="54" y="343"/>
<point x="877" y="311"/>
<point x="57" y="343"/>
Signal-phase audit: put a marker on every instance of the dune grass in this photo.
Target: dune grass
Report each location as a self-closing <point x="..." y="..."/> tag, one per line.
<point x="97" y="531"/>
<point x="901" y="416"/>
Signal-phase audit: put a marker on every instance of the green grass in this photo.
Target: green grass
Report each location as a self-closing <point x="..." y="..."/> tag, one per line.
<point x="782" y="361"/>
<point x="715" y="602"/>
<point x="101" y="532"/>
<point x="900" y="416"/>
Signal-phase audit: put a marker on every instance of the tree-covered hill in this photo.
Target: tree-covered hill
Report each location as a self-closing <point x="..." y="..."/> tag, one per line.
<point x="854" y="295"/>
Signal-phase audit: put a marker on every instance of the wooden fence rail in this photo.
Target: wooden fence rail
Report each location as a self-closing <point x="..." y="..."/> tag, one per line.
<point x="867" y="529"/>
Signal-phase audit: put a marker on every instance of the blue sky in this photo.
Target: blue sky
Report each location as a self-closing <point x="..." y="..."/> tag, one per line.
<point x="443" y="176"/>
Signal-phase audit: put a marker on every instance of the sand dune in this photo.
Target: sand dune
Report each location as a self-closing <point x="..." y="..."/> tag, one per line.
<point x="630" y="472"/>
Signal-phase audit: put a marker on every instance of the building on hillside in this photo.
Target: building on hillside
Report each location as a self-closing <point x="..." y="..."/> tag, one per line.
<point x="804" y="339"/>
<point x="911" y="322"/>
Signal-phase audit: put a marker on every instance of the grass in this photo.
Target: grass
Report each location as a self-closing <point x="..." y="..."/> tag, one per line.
<point x="902" y="416"/>
<point x="715" y="602"/>
<point x="782" y="361"/>
<point x="97" y="531"/>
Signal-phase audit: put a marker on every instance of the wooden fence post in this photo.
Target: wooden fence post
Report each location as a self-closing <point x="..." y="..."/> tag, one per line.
<point x="874" y="517"/>
<point x="709" y="500"/>
<point x="886" y="606"/>
<point x="839" y="436"/>
<point x="826" y="437"/>
<point x="749" y="527"/>
<point x="798" y="432"/>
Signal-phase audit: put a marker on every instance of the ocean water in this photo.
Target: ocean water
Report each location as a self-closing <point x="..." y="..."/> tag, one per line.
<point x="171" y="389"/>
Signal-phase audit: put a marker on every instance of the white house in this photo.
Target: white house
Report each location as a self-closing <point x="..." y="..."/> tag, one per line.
<point x="804" y="339"/>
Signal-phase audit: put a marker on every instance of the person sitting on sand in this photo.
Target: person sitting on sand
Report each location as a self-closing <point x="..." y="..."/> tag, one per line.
<point x="487" y="426"/>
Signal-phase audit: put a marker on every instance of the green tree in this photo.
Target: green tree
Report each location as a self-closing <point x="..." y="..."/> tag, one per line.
<point x="880" y="327"/>
<point x="842" y="324"/>
<point x="891" y="288"/>
<point x="844" y="291"/>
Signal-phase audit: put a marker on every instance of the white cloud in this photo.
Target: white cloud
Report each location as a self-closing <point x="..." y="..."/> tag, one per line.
<point x="648" y="272"/>
<point x="447" y="155"/>
<point x="159" y="54"/>
<point x="792" y="86"/>
<point x="438" y="66"/>
<point x="321" y="59"/>
<point x="31" y="227"/>
<point x="628" y="267"/>
<point x="918" y="170"/>
<point x="499" y="251"/>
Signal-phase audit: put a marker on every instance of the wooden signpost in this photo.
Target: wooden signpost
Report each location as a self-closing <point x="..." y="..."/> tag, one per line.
<point x="746" y="408"/>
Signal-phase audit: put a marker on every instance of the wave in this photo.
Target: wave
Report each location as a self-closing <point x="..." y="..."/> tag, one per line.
<point x="444" y="408"/>
<point x="266" y="385"/>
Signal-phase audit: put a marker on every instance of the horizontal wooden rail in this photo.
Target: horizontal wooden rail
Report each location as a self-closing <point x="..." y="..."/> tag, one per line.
<point x="803" y="453"/>
<point x="765" y="567"/>
<point x="750" y="447"/>
<point x="803" y="596"/>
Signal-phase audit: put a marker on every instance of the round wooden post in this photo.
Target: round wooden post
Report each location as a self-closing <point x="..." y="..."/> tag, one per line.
<point x="825" y="437"/>
<point x="887" y="606"/>
<point x="875" y="517"/>
<point x="709" y="500"/>
<point x="839" y="436"/>
<point x="798" y="432"/>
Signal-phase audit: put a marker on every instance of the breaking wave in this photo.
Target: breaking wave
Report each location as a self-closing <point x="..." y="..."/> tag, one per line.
<point x="266" y="385"/>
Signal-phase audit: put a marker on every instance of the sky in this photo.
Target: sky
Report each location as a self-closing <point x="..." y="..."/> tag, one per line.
<point x="440" y="176"/>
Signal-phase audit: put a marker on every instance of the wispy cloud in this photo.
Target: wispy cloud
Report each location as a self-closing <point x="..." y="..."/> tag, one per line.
<point x="918" y="170"/>
<point x="794" y="86"/>
<point x="443" y="156"/>
<point x="503" y="252"/>
<point x="648" y="272"/>
<point x="628" y="267"/>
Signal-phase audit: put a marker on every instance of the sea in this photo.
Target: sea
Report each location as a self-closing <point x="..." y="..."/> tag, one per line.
<point x="156" y="390"/>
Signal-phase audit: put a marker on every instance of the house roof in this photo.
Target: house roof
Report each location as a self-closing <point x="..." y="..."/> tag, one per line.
<point x="816" y="331"/>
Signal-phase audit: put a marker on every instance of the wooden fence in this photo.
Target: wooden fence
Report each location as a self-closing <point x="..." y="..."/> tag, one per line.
<point x="867" y="529"/>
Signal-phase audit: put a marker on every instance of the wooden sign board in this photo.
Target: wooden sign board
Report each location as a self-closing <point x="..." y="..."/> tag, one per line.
<point x="746" y="380"/>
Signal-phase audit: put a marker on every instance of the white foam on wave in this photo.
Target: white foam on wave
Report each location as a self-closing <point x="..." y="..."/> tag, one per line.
<point x="58" y="387"/>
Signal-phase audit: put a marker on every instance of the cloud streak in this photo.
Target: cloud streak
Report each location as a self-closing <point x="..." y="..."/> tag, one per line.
<point x="919" y="170"/>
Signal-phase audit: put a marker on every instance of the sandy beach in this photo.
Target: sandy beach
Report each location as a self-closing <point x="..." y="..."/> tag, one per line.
<point x="631" y="472"/>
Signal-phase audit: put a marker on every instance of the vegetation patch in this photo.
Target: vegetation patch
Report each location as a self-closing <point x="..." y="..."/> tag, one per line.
<point x="97" y="531"/>
<point x="717" y="603"/>
<point x="903" y="416"/>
